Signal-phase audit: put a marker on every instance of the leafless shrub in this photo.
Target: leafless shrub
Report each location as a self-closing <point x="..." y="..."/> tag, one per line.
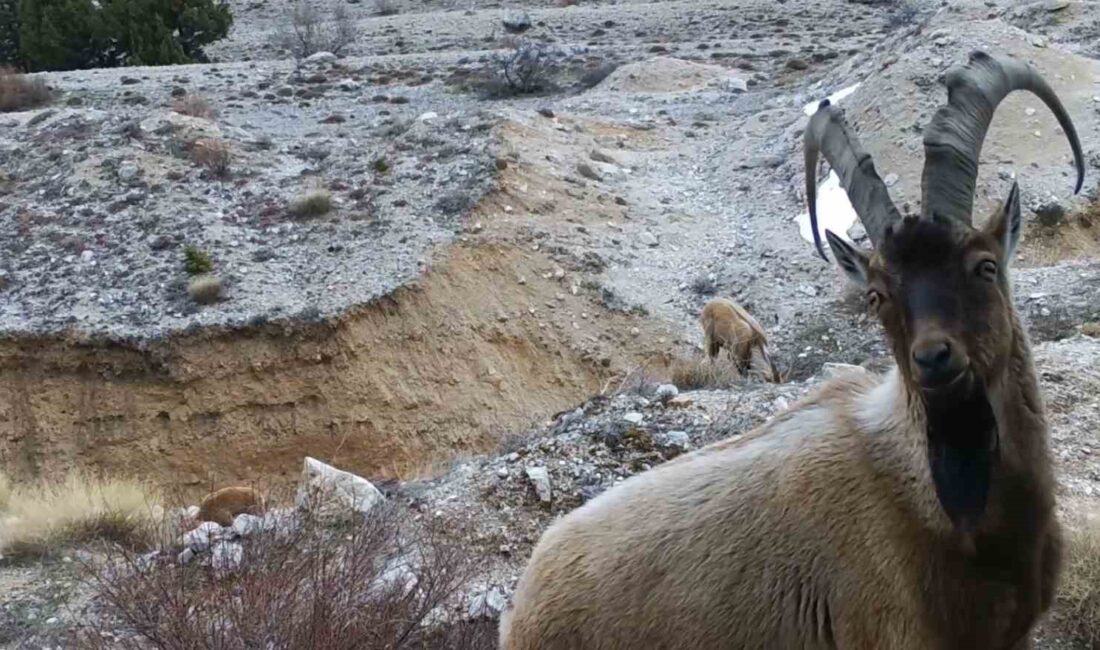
<point x="307" y="31"/>
<point x="385" y="7"/>
<point x="212" y="154"/>
<point x="524" y="68"/>
<point x="385" y="581"/>
<point x="195" y="106"/>
<point x="18" y="92"/>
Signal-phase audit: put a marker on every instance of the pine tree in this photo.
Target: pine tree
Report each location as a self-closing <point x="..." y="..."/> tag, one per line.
<point x="9" y="34"/>
<point x="75" y="34"/>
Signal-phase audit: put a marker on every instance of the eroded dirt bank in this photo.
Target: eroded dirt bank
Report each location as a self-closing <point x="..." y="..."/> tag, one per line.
<point x="442" y="366"/>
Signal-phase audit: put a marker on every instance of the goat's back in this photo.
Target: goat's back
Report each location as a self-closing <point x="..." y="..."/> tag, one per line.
<point x="727" y="323"/>
<point x="746" y="543"/>
<point x="223" y="505"/>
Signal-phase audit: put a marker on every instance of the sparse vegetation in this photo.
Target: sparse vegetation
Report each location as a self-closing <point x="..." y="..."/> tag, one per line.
<point x="194" y="106"/>
<point x="42" y="516"/>
<point x="381" y="582"/>
<point x="306" y="30"/>
<point x="205" y="289"/>
<point x="453" y="203"/>
<point x="381" y="165"/>
<point x="700" y="374"/>
<point x="524" y="68"/>
<point x="197" y="261"/>
<point x="385" y="7"/>
<point x="704" y="285"/>
<point x="1078" y="608"/>
<point x="314" y="204"/>
<point x="18" y="92"/>
<point x="213" y="155"/>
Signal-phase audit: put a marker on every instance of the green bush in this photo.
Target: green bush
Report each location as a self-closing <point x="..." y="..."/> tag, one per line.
<point x="77" y="34"/>
<point x="197" y="261"/>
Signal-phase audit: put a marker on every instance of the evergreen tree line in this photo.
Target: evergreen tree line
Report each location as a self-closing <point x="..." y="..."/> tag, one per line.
<point x="76" y="34"/>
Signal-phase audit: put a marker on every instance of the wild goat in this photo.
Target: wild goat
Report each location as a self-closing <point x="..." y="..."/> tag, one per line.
<point x="912" y="510"/>
<point x="224" y="505"/>
<point x="726" y="324"/>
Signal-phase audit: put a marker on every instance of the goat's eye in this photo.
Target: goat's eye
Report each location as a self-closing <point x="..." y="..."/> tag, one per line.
<point x="987" y="270"/>
<point x="874" y="299"/>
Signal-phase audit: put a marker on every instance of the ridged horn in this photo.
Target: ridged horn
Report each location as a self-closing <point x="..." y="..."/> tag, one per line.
<point x="953" y="139"/>
<point x="828" y="133"/>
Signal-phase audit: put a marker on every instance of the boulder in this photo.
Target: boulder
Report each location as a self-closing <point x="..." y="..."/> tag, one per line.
<point x="330" y="492"/>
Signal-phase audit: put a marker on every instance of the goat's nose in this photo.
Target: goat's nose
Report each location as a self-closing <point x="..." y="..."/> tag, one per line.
<point x="934" y="359"/>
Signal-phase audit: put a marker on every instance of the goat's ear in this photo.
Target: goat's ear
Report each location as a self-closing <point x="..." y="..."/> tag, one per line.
<point x="854" y="262"/>
<point x="1005" y="224"/>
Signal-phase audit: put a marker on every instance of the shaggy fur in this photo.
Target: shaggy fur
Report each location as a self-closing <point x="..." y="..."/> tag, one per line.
<point x="854" y="520"/>
<point x="224" y="505"/>
<point x="727" y="325"/>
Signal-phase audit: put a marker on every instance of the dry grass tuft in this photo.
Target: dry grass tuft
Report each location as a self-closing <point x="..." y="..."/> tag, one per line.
<point x="1092" y="328"/>
<point x="41" y="516"/>
<point x="1078" y="607"/>
<point x="195" y="106"/>
<point x="205" y="289"/>
<point x="212" y="154"/>
<point x="18" y="92"/>
<point x="314" y="204"/>
<point x="701" y="374"/>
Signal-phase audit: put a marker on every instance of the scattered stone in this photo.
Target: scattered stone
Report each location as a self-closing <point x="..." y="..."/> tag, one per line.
<point x="540" y="479"/>
<point x="601" y="156"/>
<point x="320" y="58"/>
<point x="665" y="393"/>
<point x="200" y="537"/>
<point x="488" y="605"/>
<point x="649" y="239"/>
<point x="185" y="556"/>
<point x="797" y="64"/>
<point x="334" y="493"/>
<point x="587" y="171"/>
<point x="1050" y="214"/>
<point x="674" y="439"/>
<point x="245" y="524"/>
<point x="226" y="557"/>
<point x="634" y="417"/>
<point x="891" y="179"/>
<point x="737" y="85"/>
<point x="517" y="23"/>
<point x="546" y="112"/>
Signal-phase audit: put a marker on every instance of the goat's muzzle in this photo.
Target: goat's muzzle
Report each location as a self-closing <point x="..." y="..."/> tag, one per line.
<point x="938" y="362"/>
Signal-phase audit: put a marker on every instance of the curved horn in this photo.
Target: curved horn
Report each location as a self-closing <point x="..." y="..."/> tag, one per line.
<point x="953" y="139"/>
<point x="828" y="133"/>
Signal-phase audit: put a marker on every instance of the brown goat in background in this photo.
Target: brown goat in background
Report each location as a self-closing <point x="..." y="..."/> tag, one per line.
<point x="911" y="511"/>
<point x="727" y="325"/>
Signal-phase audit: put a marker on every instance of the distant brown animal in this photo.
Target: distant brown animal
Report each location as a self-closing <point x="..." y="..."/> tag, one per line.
<point x="224" y="505"/>
<point x="911" y="511"/>
<point x="727" y="325"/>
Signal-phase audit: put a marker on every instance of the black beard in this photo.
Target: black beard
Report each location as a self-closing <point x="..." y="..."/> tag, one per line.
<point x="962" y="449"/>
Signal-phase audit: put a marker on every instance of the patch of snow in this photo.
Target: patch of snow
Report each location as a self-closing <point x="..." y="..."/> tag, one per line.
<point x="811" y="108"/>
<point x="834" y="211"/>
